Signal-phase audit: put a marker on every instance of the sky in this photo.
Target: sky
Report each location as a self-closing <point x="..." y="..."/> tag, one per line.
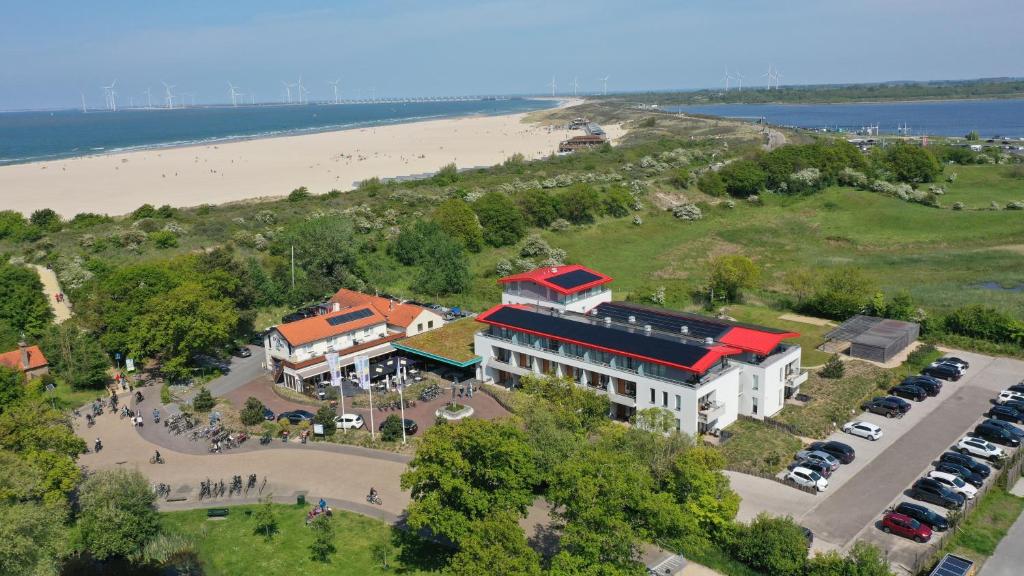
<point x="53" y="52"/>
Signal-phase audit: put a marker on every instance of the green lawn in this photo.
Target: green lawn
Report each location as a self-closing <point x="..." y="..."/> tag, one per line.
<point x="228" y="547"/>
<point x="759" y="448"/>
<point x="67" y="398"/>
<point x="986" y="525"/>
<point x="811" y="336"/>
<point x="978" y="186"/>
<point x="832" y="400"/>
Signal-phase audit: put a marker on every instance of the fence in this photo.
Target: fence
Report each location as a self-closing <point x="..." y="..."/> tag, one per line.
<point x="772" y="423"/>
<point x="783" y="480"/>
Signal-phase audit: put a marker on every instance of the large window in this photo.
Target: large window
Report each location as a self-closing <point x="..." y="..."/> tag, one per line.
<point x="664" y="399"/>
<point x="755" y="381"/>
<point x="679" y="402"/>
<point x="652" y="396"/>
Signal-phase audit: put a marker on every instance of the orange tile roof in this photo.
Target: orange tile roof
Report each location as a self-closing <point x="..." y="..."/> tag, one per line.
<point x="396" y="313"/>
<point x="318" y="327"/>
<point x="35" y="359"/>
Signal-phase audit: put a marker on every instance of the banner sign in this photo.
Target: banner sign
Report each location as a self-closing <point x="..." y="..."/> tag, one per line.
<point x="130" y="364"/>
<point x="363" y="371"/>
<point x="332" y="363"/>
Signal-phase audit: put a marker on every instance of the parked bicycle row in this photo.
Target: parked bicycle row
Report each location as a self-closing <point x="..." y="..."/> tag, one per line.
<point x="211" y="489"/>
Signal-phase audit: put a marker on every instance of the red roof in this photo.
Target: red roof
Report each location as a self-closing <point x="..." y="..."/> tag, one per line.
<point x="396" y="313"/>
<point x="550" y="277"/>
<point x="35" y="359"/>
<point x="320" y="327"/>
<point x="756" y="341"/>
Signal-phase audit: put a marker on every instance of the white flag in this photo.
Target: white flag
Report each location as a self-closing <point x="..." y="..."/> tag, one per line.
<point x="363" y="371"/>
<point x="332" y="364"/>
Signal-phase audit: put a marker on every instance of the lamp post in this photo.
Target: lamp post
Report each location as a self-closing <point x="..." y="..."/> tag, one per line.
<point x="400" y="383"/>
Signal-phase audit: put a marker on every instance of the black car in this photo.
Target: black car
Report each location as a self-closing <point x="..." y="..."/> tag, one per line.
<point x="931" y="490"/>
<point x="842" y="452"/>
<point x="996" y="434"/>
<point x="410" y="426"/>
<point x="954" y="360"/>
<point x="924" y="515"/>
<point x="816" y="465"/>
<point x="943" y="371"/>
<point x="966" y="475"/>
<point x="1015" y="404"/>
<point x="1006" y="414"/>
<point x="967" y="462"/>
<point x="915" y="393"/>
<point x="295" y="416"/>
<point x="1017" y="432"/>
<point x="1017" y="388"/>
<point x="268" y="414"/>
<point x="932" y="386"/>
<point x="890" y="406"/>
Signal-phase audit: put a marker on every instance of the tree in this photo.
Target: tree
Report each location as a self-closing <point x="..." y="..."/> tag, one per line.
<point x="203" y="401"/>
<point x="443" y="268"/>
<point x="33" y="539"/>
<point x="265" y="521"/>
<point x="834" y="367"/>
<point x="910" y="163"/>
<point x="13" y="225"/>
<point x="391" y="429"/>
<point x="118" y="513"/>
<point x="731" y="273"/>
<point x="502" y="221"/>
<point x="497" y="546"/>
<point x="655" y="420"/>
<point x="578" y="203"/>
<point x="327" y="253"/>
<point x="252" y="413"/>
<point x="24" y="306"/>
<point x="802" y="283"/>
<point x="119" y="297"/>
<point x="75" y="356"/>
<point x="323" y="539"/>
<point x="973" y="136"/>
<point x="468" y="471"/>
<point x="863" y="559"/>
<point x="457" y="219"/>
<point x="539" y="207"/>
<point x="325" y="417"/>
<point x="383" y="552"/>
<point x="711" y="183"/>
<point x="576" y="408"/>
<point x="901" y="307"/>
<point x="742" y="178"/>
<point x="702" y="489"/>
<point x="12" y="385"/>
<point x="773" y="545"/>
<point x="411" y="245"/>
<point x="47" y="220"/>
<point x="842" y="293"/>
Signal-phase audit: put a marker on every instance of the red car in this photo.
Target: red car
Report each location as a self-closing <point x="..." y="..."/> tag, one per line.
<point x="902" y="525"/>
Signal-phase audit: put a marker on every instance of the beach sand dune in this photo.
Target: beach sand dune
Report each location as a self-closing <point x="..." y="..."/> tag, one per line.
<point x="226" y="172"/>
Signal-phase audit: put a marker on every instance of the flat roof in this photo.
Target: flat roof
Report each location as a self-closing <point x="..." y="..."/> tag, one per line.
<point x="562" y="279"/>
<point x="450" y="344"/>
<point x="871" y="330"/>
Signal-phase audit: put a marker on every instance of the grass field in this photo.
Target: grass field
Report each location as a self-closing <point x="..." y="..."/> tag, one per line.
<point x="228" y="547"/>
<point x="759" y="448"/>
<point x="832" y="400"/>
<point x="978" y="186"/>
<point x="987" y="525"/>
<point x="811" y="336"/>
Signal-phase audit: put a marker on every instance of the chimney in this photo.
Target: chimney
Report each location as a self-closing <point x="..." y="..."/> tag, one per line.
<point x="24" y="354"/>
<point x="647" y="329"/>
<point x="709" y="341"/>
<point x="336" y="307"/>
<point x="608" y="320"/>
<point x="684" y="329"/>
<point x="632" y="319"/>
<point x="554" y="270"/>
<point x="391" y="304"/>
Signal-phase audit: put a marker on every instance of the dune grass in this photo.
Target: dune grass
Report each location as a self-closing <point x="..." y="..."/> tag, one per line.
<point x="978" y="186"/>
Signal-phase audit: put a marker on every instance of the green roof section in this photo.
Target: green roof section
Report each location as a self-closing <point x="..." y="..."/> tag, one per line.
<point x="451" y="344"/>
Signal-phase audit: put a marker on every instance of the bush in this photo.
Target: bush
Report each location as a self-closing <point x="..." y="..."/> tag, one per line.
<point x="325" y="417"/>
<point x="46" y="219"/>
<point x="711" y="183"/>
<point x="448" y="174"/>
<point x="164" y="239"/>
<point x="203" y="402"/>
<point x="502" y="221"/>
<point x="681" y="178"/>
<point x="743" y="178"/>
<point x="910" y="163"/>
<point x="984" y="322"/>
<point x="391" y="430"/>
<point x="252" y="413"/>
<point x="730" y="274"/>
<point x="841" y="293"/>
<point x="773" y="545"/>
<point x="834" y="368"/>
<point x="299" y="194"/>
<point x="165" y="394"/>
<point x="578" y="204"/>
<point x="144" y="211"/>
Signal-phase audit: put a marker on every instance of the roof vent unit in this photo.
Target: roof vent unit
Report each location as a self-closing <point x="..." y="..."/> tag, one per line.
<point x="684" y="329"/>
<point x="608" y="320"/>
<point x="647" y="329"/>
<point x="554" y="270"/>
<point x="709" y="341"/>
<point x="632" y="319"/>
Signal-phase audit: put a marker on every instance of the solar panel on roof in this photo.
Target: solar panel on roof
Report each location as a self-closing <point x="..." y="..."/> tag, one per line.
<point x="350" y="316"/>
<point x="570" y="280"/>
<point x="953" y="566"/>
<point x="609" y="338"/>
<point x="696" y="326"/>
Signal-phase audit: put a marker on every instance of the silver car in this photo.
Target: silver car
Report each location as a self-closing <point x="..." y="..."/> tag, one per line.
<point x="818" y="456"/>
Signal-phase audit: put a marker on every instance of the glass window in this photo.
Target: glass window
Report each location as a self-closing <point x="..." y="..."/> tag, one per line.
<point x="652" y="395"/>
<point x="754" y="405"/>
<point x="755" y="381"/>
<point x="664" y="399"/>
<point x="430" y="324"/>
<point x="419" y="327"/>
<point x="679" y="402"/>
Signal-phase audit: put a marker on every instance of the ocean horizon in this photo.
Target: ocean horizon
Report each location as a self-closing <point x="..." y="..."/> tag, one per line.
<point x="35" y="136"/>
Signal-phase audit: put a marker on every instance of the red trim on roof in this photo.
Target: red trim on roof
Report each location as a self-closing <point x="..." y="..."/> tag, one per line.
<point x="755" y="341"/>
<point x="540" y="276"/>
<point x="714" y="354"/>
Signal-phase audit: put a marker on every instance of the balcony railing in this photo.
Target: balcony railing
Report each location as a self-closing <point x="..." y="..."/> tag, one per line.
<point x="709" y="411"/>
<point x="796" y="379"/>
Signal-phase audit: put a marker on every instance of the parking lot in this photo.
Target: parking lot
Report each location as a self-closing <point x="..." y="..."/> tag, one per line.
<point x="859" y="492"/>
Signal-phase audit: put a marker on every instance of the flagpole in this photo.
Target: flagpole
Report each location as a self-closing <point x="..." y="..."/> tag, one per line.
<point x="400" y="382"/>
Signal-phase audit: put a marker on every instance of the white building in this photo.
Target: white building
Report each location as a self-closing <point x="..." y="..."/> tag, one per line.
<point x="706" y="371"/>
<point x="357" y="325"/>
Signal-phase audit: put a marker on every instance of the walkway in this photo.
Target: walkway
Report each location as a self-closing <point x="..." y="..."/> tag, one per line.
<point x="61" y="310"/>
<point x="1009" y="555"/>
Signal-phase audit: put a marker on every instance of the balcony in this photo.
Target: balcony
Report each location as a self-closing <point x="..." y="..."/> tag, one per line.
<point x="710" y="411"/>
<point x="796" y="379"/>
<point x="622" y="399"/>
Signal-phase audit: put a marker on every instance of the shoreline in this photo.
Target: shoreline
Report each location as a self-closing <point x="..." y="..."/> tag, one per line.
<point x="267" y="168"/>
<point x="914" y="101"/>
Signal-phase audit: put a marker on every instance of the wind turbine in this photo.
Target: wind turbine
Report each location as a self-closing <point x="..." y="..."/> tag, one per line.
<point x="552" y="85"/>
<point x="575" y="86"/>
<point x="605" y="82"/>
<point x="84" y="109"/>
<point x="727" y="78"/>
<point x="778" y="77"/>
<point x="149" y="98"/>
<point x="232" y="90"/>
<point x="169" y="97"/>
<point x="111" y="96"/>
<point x="769" y="75"/>
<point x="334" y="85"/>
<point x="739" y="80"/>
<point x="302" y="91"/>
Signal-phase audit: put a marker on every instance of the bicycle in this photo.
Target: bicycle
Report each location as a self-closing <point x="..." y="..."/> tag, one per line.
<point x="154" y="459"/>
<point x="374" y="499"/>
<point x="250" y="484"/>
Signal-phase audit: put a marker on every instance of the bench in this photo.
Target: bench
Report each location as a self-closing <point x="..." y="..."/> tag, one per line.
<point x="216" y="512"/>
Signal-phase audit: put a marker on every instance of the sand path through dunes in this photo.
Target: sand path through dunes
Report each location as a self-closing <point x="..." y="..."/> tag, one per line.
<point x="226" y="172"/>
<point x="62" y="309"/>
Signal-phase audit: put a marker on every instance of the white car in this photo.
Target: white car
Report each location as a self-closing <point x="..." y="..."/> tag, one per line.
<point x="348" y="421"/>
<point x="807" y="477"/>
<point x="1009" y="395"/>
<point x="979" y="447"/>
<point x="863" y="429"/>
<point x="954" y="483"/>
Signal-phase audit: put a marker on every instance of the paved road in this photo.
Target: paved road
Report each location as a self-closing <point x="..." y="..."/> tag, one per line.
<point x="61" y="310"/>
<point x="860" y="501"/>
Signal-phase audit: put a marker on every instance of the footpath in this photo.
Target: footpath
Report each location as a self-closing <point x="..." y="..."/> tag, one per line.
<point x="61" y="309"/>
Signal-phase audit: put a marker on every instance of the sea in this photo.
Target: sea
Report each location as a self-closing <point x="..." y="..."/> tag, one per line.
<point x="990" y="118"/>
<point x="35" y="136"/>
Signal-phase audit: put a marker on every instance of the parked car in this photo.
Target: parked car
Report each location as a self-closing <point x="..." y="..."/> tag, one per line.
<point x="915" y="393"/>
<point x="818" y="466"/>
<point x="967" y="462"/>
<point x="958" y="367"/>
<point x="348" y="421"/>
<point x="1017" y="387"/>
<point x="1015" y="430"/>
<point x="931" y="490"/>
<point x="1009" y="395"/>
<point x="268" y="414"/>
<point x="888" y="406"/>
<point x="410" y="426"/>
<point x="295" y="416"/>
<point x="842" y="452"/>
<point x="954" y="483"/>
<point x="1016" y="405"/>
<point x="257" y="338"/>
<point x="1006" y="414"/>
<point x="825" y="457"/>
<point x="923" y="514"/>
<point x="901" y="525"/>
<point x="943" y="371"/>
<point x="932" y="386"/>
<point x="996" y="434"/>
<point x="953" y="360"/>
<point x="980" y="448"/>
<point x="243" y="352"/>
<point x="966" y="475"/>
<point x="807" y="477"/>
<point x="863" y="429"/>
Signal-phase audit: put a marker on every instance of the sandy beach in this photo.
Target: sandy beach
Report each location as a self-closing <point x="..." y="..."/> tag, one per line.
<point x="227" y="172"/>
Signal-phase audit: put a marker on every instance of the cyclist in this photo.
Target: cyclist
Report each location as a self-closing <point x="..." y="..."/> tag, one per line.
<point x="98" y="445"/>
<point x="373" y="494"/>
<point x="156" y="458"/>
